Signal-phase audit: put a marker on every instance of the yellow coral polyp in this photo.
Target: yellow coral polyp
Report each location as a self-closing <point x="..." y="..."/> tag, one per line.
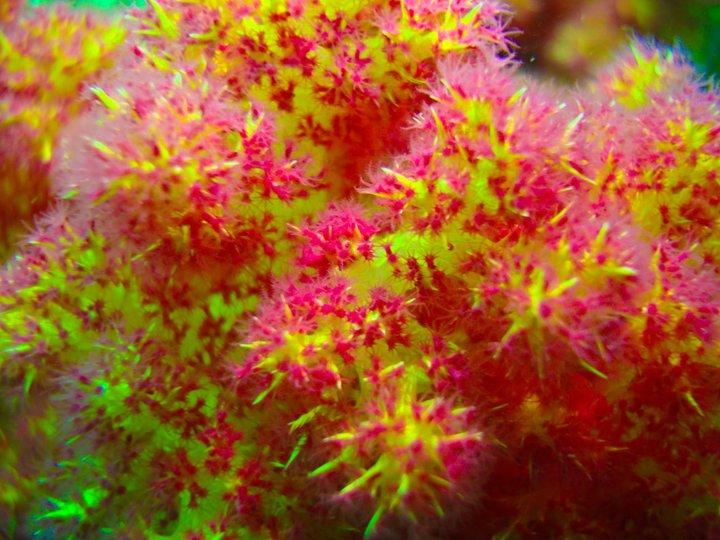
<point x="294" y="350"/>
<point x="596" y="273"/>
<point x="644" y="74"/>
<point x="403" y="443"/>
<point x="530" y="319"/>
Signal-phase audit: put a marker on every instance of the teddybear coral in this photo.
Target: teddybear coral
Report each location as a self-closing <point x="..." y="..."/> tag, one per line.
<point x="316" y="269"/>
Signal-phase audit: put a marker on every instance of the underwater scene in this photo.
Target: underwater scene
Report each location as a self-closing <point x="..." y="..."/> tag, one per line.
<point x="359" y="269"/>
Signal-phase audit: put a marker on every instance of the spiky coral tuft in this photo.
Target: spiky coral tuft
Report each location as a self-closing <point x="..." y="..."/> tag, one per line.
<point x="320" y="269"/>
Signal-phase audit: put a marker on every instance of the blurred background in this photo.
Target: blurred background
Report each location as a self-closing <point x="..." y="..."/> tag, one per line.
<point x="567" y="38"/>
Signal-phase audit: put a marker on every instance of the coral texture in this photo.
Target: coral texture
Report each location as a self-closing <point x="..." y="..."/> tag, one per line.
<point x="326" y="269"/>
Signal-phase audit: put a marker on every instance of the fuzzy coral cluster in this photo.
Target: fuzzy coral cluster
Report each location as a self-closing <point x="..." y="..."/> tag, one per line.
<point x="44" y="62"/>
<point x="318" y="269"/>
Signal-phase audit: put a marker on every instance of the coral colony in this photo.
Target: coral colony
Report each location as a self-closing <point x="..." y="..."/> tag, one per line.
<point x="333" y="269"/>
